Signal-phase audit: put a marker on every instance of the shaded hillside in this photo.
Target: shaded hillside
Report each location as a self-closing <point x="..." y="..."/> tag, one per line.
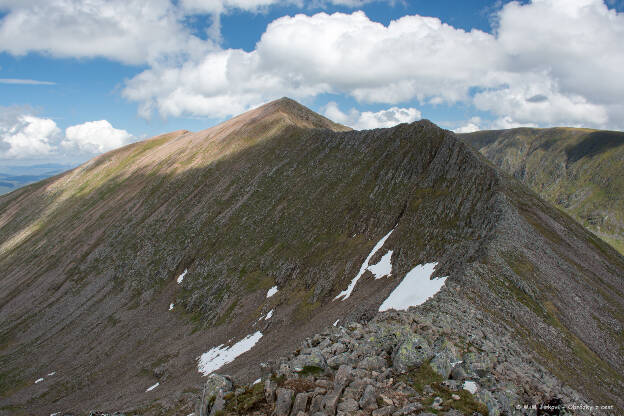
<point x="119" y="274"/>
<point x="579" y="170"/>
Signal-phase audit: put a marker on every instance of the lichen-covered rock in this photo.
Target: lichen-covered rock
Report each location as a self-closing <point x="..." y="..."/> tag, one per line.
<point x="445" y="357"/>
<point x="413" y="351"/>
<point x="368" y="401"/>
<point x="283" y="402"/>
<point x="313" y="358"/>
<point x="343" y="377"/>
<point x="372" y="363"/>
<point x="300" y="404"/>
<point x="348" y="405"/>
<point x="216" y="382"/>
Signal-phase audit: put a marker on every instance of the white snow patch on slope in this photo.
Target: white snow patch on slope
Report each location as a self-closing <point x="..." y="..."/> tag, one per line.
<point x="347" y="292"/>
<point x="257" y="381"/>
<point x="181" y="277"/>
<point x="471" y="386"/>
<point x="415" y="288"/>
<point x="383" y="267"/>
<point x="171" y="305"/>
<point x="272" y="291"/>
<point x="336" y="323"/>
<point x="269" y="315"/>
<point x="39" y="380"/>
<point x="152" y="387"/>
<point x="217" y="357"/>
<point x="52" y="373"/>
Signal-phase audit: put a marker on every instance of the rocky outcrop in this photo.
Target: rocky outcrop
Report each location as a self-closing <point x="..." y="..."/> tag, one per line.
<point x="420" y="367"/>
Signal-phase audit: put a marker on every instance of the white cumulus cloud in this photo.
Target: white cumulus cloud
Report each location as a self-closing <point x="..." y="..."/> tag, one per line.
<point x="95" y="137"/>
<point x="471" y="126"/>
<point x="26" y="136"/>
<point x="372" y="120"/>
<point x="128" y="31"/>
<point x="565" y="72"/>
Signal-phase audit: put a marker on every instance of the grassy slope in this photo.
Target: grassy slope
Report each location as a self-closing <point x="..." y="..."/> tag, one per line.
<point x="579" y="170"/>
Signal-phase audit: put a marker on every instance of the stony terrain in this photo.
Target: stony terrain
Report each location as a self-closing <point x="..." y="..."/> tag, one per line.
<point x="118" y="275"/>
<point x="579" y="170"/>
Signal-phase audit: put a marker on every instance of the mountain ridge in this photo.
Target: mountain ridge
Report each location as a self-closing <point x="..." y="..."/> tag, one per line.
<point x="578" y="170"/>
<point x="92" y="259"/>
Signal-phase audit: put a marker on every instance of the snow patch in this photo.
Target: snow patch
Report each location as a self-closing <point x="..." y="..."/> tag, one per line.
<point x="39" y="380"/>
<point x="336" y="323"/>
<point x="415" y="288"/>
<point x="55" y="414"/>
<point x="272" y="291"/>
<point x="152" y="387"/>
<point x="171" y="306"/>
<point x="217" y="357"/>
<point x="383" y="267"/>
<point x="347" y="292"/>
<point x="471" y="386"/>
<point x="269" y="315"/>
<point x="454" y="363"/>
<point x="257" y="381"/>
<point x="52" y="373"/>
<point x="181" y="277"/>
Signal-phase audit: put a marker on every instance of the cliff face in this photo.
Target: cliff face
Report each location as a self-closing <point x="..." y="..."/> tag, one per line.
<point x="579" y="170"/>
<point x="121" y="273"/>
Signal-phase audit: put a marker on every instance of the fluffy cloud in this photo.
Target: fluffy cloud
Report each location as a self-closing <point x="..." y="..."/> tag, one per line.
<point x="95" y="137"/>
<point x="128" y="31"/>
<point x="372" y="120"/>
<point x="565" y="72"/>
<point x="303" y="56"/>
<point x="25" y="136"/>
<point x="547" y="62"/>
<point x="472" y="125"/>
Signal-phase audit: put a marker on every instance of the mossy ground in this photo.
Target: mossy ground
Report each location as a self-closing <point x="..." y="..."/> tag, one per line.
<point x="424" y="375"/>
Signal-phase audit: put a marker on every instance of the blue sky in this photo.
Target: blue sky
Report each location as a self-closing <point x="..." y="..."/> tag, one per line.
<point x="77" y="79"/>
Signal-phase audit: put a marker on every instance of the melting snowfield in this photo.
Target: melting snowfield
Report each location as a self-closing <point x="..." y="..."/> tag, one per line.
<point x="415" y="288"/>
<point x="181" y="277"/>
<point x="272" y="291"/>
<point x="219" y="356"/>
<point x="383" y="268"/>
<point x="152" y="387"/>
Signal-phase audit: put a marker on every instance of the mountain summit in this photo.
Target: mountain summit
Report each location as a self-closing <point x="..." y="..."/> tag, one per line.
<point x="130" y="278"/>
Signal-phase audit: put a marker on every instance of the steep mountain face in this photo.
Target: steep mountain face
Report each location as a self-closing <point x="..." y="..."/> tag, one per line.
<point x="119" y="274"/>
<point x="579" y="170"/>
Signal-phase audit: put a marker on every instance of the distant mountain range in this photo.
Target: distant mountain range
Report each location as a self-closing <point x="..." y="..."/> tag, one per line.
<point x="13" y="177"/>
<point x="275" y="247"/>
<point x="579" y="170"/>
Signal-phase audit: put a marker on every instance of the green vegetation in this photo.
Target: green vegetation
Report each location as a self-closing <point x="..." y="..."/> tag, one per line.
<point x="310" y="370"/>
<point x="251" y="399"/>
<point x="424" y="375"/>
<point x="578" y="170"/>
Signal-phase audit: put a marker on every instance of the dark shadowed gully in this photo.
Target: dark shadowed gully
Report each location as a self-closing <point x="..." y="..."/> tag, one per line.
<point x="223" y="251"/>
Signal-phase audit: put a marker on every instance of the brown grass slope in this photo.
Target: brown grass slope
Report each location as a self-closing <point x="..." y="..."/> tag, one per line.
<point x="279" y="195"/>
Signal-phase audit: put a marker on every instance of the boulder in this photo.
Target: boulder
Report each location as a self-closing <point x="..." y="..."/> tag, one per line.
<point x="300" y="404"/>
<point x="283" y="402"/>
<point x="368" y="401"/>
<point x="413" y="351"/>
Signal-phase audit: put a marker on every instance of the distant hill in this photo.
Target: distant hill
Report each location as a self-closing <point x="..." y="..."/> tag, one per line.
<point x="13" y="177"/>
<point x="127" y="280"/>
<point x="579" y="170"/>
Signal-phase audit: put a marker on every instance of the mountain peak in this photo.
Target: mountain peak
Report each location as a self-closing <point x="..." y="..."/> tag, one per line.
<point x="293" y="113"/>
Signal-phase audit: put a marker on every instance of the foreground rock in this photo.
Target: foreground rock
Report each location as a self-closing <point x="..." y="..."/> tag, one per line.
<point x="400" y="363"/>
